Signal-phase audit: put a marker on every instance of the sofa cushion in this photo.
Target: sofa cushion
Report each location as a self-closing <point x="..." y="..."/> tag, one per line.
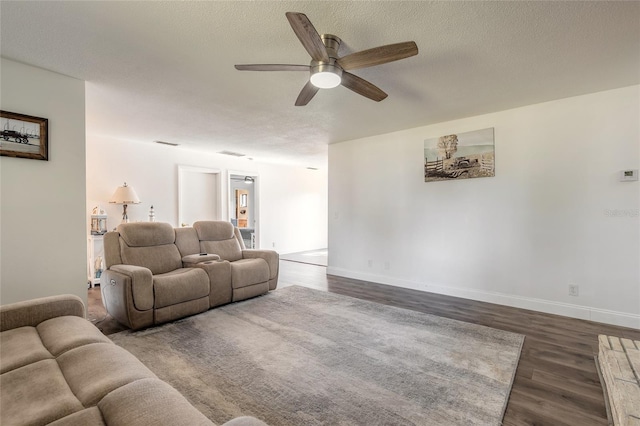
<point x="149" y="402"/>
<point x="245" y="421"/>
<point x="149" y="244"/>
<point x="180" y="286"/>
<point x="250" y="291"/>
<point x="19" y="347"/>
<point x="61" y="334"/>
<point x="247" y="272"/>
<point x="214" y="230"/>
<point x="218" y="237"/>
<point x="94" y="370"/>
<point x="36" y="394"/>
<point x="187" y="241"/>
<point x="87" y="417"/>
<point x="145" y="234"/>
<point x="158" y="259"/>
<point x="227" y="249"/>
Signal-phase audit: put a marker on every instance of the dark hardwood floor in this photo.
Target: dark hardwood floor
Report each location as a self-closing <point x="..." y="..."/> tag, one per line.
<point x="556" y="382"/>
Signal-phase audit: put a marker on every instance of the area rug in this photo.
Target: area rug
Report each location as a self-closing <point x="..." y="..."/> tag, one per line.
<point x="298" y="356"/>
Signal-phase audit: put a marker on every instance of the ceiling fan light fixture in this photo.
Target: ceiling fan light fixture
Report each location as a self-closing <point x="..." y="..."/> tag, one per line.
<point x="326" y="76"/>
<point x="325" y="80"/>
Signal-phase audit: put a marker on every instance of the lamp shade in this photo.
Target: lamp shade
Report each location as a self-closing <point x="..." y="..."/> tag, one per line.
<point x="125" y="195"/>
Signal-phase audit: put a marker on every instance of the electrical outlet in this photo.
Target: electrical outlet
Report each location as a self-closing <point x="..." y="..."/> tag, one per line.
<point x="370" y="263"/>
<point x="273" y="245"/>
<point x="574" y="290"/>
<point x="387" y="265"/>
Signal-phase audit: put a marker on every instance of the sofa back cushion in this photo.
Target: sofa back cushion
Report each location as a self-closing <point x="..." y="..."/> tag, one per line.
<point x="218" y="237"/>
<point x="151" y="245"/>
<point x="187" y="241"/>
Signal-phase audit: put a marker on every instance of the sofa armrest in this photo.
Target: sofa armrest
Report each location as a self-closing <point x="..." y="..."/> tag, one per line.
<point x="270" y="256"/>
<point x="33" y="312"/>
<point x="141" y="285"/>
<point x="193" y="259"/>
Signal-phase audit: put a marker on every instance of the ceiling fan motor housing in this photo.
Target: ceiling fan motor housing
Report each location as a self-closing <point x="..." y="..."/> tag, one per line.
<point x="327" y="74"/>
<point x="332" y="43"/>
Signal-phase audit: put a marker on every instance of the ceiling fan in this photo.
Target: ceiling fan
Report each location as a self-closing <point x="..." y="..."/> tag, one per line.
<point x="327" y="69"/>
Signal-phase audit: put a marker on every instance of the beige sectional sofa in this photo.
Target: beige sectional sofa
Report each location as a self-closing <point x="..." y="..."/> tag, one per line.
<point x="57" y="368"/>
<point x="155" y="273"/>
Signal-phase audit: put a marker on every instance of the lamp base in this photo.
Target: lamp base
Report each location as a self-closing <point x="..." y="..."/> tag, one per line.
<point x="125" y="218"/>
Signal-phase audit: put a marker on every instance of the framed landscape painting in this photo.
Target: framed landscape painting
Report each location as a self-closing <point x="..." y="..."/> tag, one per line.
<point x="24" y="136"/>
<point x="460" y="156"/>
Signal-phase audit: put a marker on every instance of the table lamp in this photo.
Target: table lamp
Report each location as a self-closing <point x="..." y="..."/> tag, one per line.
<point x="125" y="195"/>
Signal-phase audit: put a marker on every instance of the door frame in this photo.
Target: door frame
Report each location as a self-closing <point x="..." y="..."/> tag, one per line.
<point x="256" y="199"/>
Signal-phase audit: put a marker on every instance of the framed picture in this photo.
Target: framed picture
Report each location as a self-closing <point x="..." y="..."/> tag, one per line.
<point x="24" y="136"/>
<point x="460" y="156"/>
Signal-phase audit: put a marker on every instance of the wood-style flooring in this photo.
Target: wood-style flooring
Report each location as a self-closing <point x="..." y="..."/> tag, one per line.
<point x="556" y="382"/>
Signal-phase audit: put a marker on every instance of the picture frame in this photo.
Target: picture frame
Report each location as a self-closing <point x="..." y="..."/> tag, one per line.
<point x="460" y="156"/>
<point x="24" y="136"/>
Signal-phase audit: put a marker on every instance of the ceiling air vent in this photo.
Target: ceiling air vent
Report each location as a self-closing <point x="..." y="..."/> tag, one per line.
<point x="231" y="153"/>
<point x="167" y="143"/>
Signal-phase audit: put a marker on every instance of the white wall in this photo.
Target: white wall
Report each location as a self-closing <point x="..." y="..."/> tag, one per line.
<point x="554" y="214"/>
<point x="42" y="213"/>
<point x="292" y="200"/>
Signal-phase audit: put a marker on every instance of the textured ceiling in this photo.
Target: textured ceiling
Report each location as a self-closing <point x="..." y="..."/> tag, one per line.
<point x="164" y="70"/>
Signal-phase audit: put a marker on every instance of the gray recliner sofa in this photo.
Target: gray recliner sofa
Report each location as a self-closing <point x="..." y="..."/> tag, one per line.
<point x="57" y="368"/>
<point x="155" y="273"/>
<point x="252" y="272"/>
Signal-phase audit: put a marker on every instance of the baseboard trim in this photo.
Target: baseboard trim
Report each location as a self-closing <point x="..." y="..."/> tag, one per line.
<point x="622" y="319"/>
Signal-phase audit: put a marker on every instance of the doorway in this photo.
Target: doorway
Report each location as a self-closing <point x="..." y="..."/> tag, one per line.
<point x="243" y="206"/>
<point x="198" y="195"/>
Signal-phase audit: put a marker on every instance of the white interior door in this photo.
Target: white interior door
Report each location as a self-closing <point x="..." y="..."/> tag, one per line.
<point x="199" y="195"/>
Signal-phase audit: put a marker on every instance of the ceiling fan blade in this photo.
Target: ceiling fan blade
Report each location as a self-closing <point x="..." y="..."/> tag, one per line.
<point x="362" y="87"/>
<point x="272" y="67"/>
<point x="306" y="94"/>
<point x="378" y="55"/>
<point x="308" y="36"/>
